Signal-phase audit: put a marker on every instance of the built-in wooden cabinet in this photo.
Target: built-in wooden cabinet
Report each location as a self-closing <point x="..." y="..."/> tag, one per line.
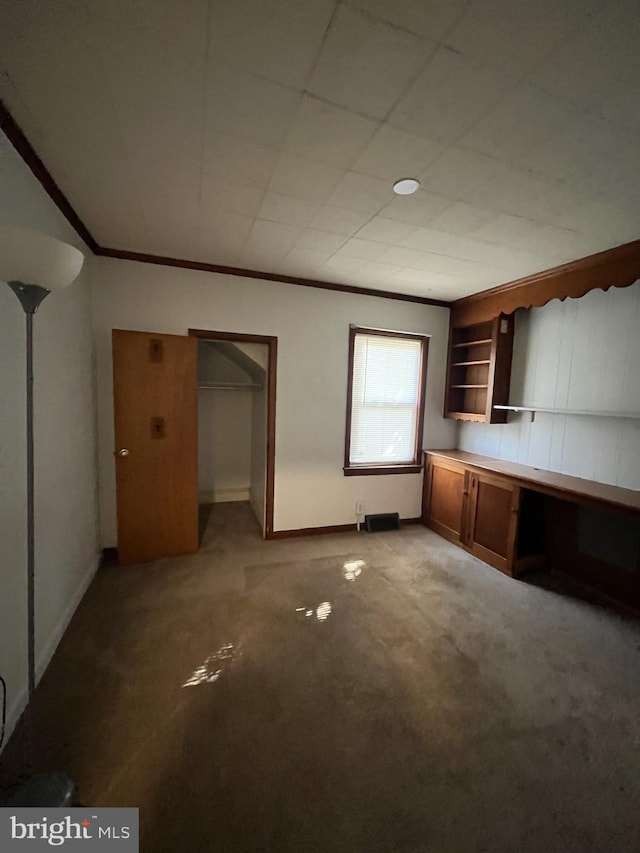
<point x="479" y="370"/>
<point x="475" y="510"/>
<point x="515" y="517"/>
<point x="492" y="520"/>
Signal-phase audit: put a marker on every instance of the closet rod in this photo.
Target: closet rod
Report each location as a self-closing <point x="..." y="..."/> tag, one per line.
<point x="230" y="386"/>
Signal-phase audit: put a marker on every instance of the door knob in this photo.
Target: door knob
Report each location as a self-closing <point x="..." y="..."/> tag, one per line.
<point x="123" y="452"/>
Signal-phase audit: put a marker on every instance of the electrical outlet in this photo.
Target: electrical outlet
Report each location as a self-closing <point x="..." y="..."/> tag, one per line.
<point x="359" y="508"/>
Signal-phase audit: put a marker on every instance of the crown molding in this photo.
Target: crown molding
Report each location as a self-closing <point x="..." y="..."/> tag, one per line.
<point x="143" y="258"/>
<point x="24" y="148"/>
<point x="617" y="267"/>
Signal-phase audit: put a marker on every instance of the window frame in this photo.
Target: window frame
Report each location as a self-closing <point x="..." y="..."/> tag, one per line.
<point x="368" y="469"/>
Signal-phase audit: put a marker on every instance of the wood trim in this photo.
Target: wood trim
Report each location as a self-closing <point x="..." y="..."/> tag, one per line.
<point x="373" y="470"/>
<point x="387" y="333"/>
<point x="182" y="263"/>
<point x="617" y="267"/>
<point x="414" y="467"/>
<point x="24" y="148"/>
<point x="272" y="342"/>
<point x="330" y="528"/>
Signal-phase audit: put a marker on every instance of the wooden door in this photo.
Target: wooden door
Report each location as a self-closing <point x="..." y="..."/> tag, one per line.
<point x="155" y="397"/>
<point x="492" y="526"/>
<point x="445" y="497"/>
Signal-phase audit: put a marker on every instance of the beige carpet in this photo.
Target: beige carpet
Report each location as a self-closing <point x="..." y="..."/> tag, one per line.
<point x="353" y="692"/>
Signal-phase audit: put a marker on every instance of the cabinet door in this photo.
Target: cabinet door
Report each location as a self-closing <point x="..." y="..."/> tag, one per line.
<point x="445" y="497"/>
<point x="493" y="520"/>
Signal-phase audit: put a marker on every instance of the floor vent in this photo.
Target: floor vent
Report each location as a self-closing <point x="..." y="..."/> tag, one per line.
<point x="382" y="521"/>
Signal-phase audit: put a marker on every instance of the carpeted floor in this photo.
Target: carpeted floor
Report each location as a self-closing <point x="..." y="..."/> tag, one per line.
<point x="353" y="692"/>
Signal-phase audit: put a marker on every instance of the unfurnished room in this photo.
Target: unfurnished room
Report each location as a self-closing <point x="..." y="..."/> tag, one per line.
<point x="320" y="425"/>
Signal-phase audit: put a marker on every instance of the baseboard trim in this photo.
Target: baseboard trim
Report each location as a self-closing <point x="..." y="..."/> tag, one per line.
<point x="17" y="707"/>
<point x="332" y="528"/>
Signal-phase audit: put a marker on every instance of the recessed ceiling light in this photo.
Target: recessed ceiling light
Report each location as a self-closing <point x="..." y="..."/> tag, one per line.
<point x="406" y="186"/>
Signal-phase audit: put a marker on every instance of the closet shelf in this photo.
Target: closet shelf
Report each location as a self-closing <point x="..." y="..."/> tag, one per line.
<point x="229" y="386"/>
<point x="471" y="386"/>
<point x="478" y="343"/>
<point x="468" y="363"/>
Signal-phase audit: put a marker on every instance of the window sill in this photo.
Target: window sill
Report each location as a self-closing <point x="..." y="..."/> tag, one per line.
<point x="369" y="470"/>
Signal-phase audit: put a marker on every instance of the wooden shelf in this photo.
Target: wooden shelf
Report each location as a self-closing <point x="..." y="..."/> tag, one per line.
<point x="471" y="386"/>
<point x="467" y="416"/>
<point x="533" y="409"/>
<point x="478" y="378"/>
<point x="472" y="343"/>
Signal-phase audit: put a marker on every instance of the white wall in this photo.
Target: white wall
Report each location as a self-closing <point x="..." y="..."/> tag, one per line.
<point x="224" y="430"/>
<point x="224" y="445"/>
<point x="578" y="354"/>
<point x="65" y="453"/>
<point x="312" y="328"/>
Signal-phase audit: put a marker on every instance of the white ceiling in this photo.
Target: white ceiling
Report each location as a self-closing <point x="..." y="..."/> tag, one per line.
<point x="266" y="134"/>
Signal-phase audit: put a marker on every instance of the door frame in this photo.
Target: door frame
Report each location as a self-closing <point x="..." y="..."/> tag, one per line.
<point x="272" y="342"/>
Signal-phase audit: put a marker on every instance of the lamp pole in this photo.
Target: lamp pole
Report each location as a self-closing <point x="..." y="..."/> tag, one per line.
<point x="27" y="256"/>
<point x="30" y="296"/>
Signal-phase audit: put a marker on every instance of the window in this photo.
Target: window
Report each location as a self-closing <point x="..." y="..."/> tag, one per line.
<point x="385" y="401"/>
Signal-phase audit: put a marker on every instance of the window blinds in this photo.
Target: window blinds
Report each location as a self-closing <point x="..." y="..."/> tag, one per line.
<point x="384" y="402"/>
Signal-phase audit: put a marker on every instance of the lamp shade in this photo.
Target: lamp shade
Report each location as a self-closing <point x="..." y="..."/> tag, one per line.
<point x="33" y="258"/>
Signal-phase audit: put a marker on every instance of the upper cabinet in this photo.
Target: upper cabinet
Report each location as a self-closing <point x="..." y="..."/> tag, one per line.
<point x="479" y="370"/>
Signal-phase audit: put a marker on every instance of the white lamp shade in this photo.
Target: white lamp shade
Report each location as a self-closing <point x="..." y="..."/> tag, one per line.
<point x="33" y="258"/>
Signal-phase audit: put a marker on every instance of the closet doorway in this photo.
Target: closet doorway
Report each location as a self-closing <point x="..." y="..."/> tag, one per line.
<point x="236" y="423"/>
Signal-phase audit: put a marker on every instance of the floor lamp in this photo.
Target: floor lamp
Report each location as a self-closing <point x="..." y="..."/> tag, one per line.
<point x="33" y="265"/>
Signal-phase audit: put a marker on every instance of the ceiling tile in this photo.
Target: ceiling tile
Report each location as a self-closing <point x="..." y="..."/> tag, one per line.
<point x="274" y="238"/>
<point x="182" y="23"/>
<point x="227" y="194"/>
<point x="223" y="236"/>
<point x="458" y="171"/>
<point x="400" y="257"/>
<point x="379" y="273"/>
<point x="320" y="241"/>
<point x="394" y="154"/>
<point x="577" y="155"/>
<point x="247" y="106"/>
<point x="521" y="121"/>
<point x="328" y="134"/>
<point x="361" y="193"/>
<point x="366" y="65"/>
<point x="226" y="156"/>
<point x="307" y="260"/>
<point x="601" y="220"/>
<point x="448" y="97"/>
<point x="511" y="191"/>
<point x="366" y="250"/>
<point x="417" y="209"/>
<point x="461" y="218"/>
<point x="342" y="267"/>
<point x="428" y="18"/>
<point x="588" y="72"/>
<point x="385" y="230"/>
<point x="275" y="39"/>
<point x="510" y="38"/>
<point x="304" y="178"/>
<point x="339" y="220"/>
<point x="287" y="209"/>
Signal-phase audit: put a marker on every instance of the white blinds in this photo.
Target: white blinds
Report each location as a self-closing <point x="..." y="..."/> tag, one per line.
<point x="384" y="402"/>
